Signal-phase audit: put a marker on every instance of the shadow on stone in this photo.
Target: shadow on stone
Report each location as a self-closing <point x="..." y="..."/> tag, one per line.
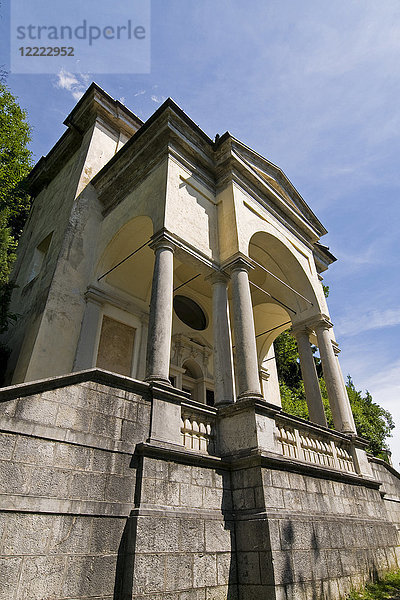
<point x="123" y="587"/>
<point x="229" y="524"/>
<point x="125" y="562"/>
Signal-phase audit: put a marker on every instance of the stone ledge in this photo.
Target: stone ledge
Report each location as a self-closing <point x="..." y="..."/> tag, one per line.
<point x="148" y="510"/>
<point x="96" y="375"/>
<point x="258" y="404"/>
<point x="383" y="463"/>
<point x="389" y="498"/>
<point x="50" y="433"/>
<point x="276" y="461"/>
<point x="282" y="514"/>
<point x="252" y="458"/>
<point x="56" y="506"/>
<point x="179" y="454"/>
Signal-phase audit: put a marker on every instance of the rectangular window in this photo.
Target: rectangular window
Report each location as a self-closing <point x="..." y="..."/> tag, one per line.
<point x="39" y="254"/>
<point x="210" y="398"/>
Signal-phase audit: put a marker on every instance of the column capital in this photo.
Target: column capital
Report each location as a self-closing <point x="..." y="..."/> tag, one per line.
<point x="322" y="323"/>
<point x="298" y="330"/>
<point x="310" y="325"/>
<point x="218" y="277"/>
<point x="238" y="263"/>
<point x="162" y="239"/>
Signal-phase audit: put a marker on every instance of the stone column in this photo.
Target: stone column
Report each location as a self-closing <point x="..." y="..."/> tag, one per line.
<point x="85" y="358"/>
<point x="245" y="340"/>
<point x="338" y="399"/>
<point x="224" y="387"/>
<point x="160" y="318"/>
<point x="310" y="379"/>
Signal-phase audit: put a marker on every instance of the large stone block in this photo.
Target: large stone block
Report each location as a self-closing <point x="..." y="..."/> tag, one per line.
<point x="249" y="568"/>
<point x="283" y="569"/>
<point x="73" y="418"/>
<point x="106" y="534"/>
<point x="70" y="535"/>
<point x="253" y="535"/>
<point x="204" y="570"/>
<point x="36" y="409"/>
<point x="192" y="538"/>
<point x="72" y="456"/>
<point x="89" y="486"/>
<point x="10" y="568"/>
<point x="226" y="570"/>
<point x="27" y="534"/>
<point x="149" y="573"/>
<point x="34" y="451"/>
<point x="179" y="572"/>
<point x="157" y="534"/>
<point x="219" y="536"/>
<point x="14" y="477"/>
<point x="41" y="578"/>
<point x="51" y="483"/>
<point x="7" y="443"/>
<point x="87" y="576"/>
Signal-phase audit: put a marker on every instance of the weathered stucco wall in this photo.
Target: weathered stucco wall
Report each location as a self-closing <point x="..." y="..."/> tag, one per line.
<point x="73" y="226"/>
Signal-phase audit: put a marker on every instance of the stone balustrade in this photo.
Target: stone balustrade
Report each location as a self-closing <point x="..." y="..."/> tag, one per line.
<point x="198" y="430"/>
<point x="324" y="450"/>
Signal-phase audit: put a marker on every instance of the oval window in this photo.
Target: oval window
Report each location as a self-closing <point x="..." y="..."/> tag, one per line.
<point x="190" y="313"/>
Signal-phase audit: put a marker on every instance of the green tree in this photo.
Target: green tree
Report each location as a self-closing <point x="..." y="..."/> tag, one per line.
<point x="372" y="422"/>
<point x="15" y="163"/>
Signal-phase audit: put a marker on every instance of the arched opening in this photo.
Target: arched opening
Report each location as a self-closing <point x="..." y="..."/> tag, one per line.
<point x="112" y="335"/>
<point x="131" y="277"/>
<point x="193" y="380"/>
<point x="282" y="294"/>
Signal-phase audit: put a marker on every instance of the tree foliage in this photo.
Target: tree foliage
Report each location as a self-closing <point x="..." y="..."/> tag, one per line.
<point x="372" y="422"/>
<point x="15" y="163"/>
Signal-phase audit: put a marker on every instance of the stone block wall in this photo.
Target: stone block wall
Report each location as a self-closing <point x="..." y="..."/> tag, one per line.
<point x="181" y="536"/>
<point x="93" y="507"/>
<point x="67" y="486"/>
<point x="306" y="536"/>
<point x="390" y="490"/>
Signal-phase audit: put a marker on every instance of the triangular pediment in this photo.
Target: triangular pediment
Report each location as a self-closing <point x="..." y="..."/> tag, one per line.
<point x="276" y="183"/>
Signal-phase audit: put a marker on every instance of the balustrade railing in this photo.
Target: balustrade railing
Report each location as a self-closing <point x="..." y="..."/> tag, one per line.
<point x="301" y="444"/>
<point x="198" y="430"/>
<point x="294" y="440"/>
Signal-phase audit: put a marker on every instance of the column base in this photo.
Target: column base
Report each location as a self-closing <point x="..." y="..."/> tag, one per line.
<point x="224" y="403"/>
<point x="158" y="379"/>
<point x="250" y="396"/>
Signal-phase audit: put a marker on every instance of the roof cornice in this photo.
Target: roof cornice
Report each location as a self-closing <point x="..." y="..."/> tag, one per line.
<point x="95" y="103"/>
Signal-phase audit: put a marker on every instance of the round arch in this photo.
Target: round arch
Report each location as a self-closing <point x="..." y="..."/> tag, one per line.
<point x="292" y="297"/>
<point x="134" y="275"/>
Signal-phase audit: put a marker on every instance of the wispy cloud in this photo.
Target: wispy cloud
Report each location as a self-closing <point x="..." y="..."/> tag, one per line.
<point x="158" y="99"/>
<point x="75" y="84"/>
<point x="139" y="93"/>
<point x="373" y="319"/>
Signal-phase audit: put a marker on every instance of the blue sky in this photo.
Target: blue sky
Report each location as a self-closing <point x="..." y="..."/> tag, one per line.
<point x="313" y="86"/>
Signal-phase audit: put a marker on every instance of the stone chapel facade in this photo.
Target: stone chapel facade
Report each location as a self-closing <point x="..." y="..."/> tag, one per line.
<point x="142" y="413"/>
